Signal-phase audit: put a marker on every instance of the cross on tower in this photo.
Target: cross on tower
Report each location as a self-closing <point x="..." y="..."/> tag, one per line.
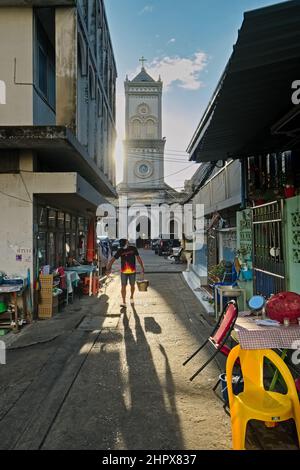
<point x="143" y="60"/>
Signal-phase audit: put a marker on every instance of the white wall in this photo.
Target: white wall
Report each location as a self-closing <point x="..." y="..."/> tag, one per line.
<point x="16" y="37"/>
<point x="16" y="227"/>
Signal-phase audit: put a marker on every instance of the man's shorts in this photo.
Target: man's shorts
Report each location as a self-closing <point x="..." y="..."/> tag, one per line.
<point x="128" y="277"/>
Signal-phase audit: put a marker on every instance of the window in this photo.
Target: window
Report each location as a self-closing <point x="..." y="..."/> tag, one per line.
<point x="41" y="247"/>
<point x="82" y="224"/>
<point x="42" y="217"/>
<point x="68" y="221"/>
<point x="60" y="253"/>
<point x="68" y="244"/>
<point x="45" y="55"/>
<point x="51" y="249"/>
<point x="151" y="129"/>
<point x="136" y="129"/>
<point x="92" y="84"/>
<point x="51" y="88"/>
<point x="43" y="71"/>
<point x="100" y="103"/>
<point x="51" y="218"/>
<point x="60" y="220"/>
<point x="74" y="223"/>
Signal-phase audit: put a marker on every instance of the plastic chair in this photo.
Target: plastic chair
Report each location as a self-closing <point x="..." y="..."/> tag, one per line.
<point x="177" y="257"/>
<point x="255" y="402"/>
<point x="219" y="335"/>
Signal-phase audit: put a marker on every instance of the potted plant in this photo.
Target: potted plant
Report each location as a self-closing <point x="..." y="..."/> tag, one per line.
<point x="216" y="272"/>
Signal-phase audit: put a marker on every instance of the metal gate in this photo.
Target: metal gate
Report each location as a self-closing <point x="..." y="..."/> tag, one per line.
<point x="268" y="249"/>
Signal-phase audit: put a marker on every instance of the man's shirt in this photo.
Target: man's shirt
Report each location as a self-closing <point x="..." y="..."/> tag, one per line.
<point x="128" y="259"/>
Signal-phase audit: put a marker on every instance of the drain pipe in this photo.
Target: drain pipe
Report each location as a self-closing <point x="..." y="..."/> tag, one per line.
<point x="244" y="195"/>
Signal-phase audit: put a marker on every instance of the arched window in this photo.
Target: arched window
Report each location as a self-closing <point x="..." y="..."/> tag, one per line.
<point x="99" y="103"/>
<point x="93" y="23"/>
<point x="82" y="56"/>
<point x="151" y="129"/>
<point x="84" y="7"/>
<point x="136" y="129"/>
<point x="92" y="84"/>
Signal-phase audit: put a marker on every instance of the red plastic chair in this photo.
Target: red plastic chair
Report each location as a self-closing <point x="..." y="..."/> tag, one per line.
<point x="219" y="335"/>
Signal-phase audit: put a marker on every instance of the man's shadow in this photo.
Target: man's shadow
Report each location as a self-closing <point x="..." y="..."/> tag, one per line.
<point x="149" y="424"/>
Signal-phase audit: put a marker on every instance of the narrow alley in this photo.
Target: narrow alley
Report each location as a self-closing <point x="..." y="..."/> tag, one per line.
<point x="96" y="378"/>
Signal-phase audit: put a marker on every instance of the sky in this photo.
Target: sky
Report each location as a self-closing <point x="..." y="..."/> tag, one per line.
<point x="188" y="43"/>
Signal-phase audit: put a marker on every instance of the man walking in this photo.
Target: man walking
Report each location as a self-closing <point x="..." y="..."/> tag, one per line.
<point x="128" y="255"/>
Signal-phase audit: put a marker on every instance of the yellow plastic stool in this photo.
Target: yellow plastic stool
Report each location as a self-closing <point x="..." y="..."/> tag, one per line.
<point x="255" y="402"/>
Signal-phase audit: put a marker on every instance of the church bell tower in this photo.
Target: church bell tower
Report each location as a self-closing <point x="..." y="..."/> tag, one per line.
<point x="143" y="145"/>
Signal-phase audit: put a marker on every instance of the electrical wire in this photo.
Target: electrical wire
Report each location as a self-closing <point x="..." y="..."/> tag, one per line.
<point x="176" y="151"/>
<point x="151" y="159"/>
<point x="158" y="157"/>
<point x="164" y="177"/>
<point x="24" y="184"/>
<point x="15" y="197"/>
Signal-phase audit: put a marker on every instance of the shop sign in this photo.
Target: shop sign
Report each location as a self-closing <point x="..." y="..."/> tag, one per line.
<point x="296" y="94"/>
<point x="24" y="255"/>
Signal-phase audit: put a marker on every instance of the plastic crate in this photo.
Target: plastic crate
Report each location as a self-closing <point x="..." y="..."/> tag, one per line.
<point x="47" y="291"/>
<point x="48" y="300"/>
<point x="47" y="311"/>
<point x="46" y="281"/>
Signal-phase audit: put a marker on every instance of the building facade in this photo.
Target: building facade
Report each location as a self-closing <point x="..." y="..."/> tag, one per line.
<point x="216" y="186"/>
<point x="57" y="128"/>
<point x="253" y="120"/>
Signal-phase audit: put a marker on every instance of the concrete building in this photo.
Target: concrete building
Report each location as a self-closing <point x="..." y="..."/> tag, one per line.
<point x="252" y="120"/>
<point x="57" y="127"/>
<point x="217" y="186"/>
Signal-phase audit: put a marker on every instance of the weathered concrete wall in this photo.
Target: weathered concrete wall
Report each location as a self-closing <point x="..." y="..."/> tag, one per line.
<point x="16" y="229"/>
<point x="16" y="58"/>
<point x="16" y="207"/>
<point x="66" y="67"/>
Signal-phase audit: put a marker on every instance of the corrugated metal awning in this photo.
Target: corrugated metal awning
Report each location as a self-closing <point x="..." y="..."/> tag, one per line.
<point x="255" y="90"/>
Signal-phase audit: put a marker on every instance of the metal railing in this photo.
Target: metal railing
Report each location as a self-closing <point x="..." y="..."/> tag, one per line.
<point x="268" y="248"/>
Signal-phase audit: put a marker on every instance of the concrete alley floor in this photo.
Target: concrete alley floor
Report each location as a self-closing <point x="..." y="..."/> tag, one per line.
<point x="96" y="377"/>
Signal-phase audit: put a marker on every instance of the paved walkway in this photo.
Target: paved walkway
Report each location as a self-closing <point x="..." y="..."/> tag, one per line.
<point x="98" y="378"/>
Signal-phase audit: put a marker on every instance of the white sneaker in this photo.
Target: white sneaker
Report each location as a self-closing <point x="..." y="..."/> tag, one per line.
<point x="132" y="301"/>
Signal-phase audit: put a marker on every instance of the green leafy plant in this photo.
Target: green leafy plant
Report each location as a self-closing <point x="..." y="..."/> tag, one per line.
<point x="217" y="271"/>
